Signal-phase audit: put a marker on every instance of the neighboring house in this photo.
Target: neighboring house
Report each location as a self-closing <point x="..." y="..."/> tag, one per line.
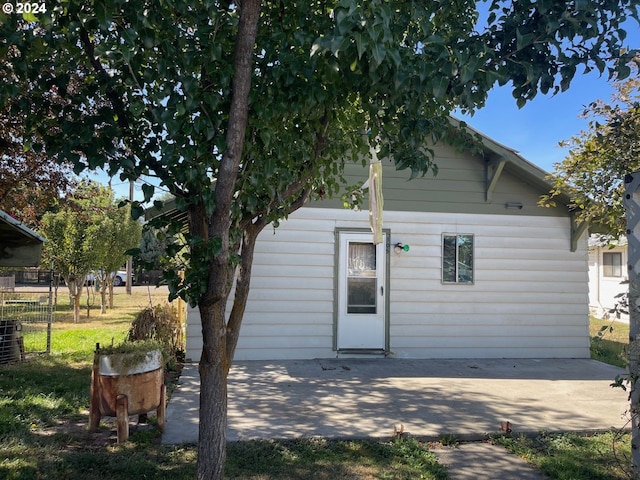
<point x="608" y="276"/>
<point x="487" y="272"/>
<point x="19" y="245"/>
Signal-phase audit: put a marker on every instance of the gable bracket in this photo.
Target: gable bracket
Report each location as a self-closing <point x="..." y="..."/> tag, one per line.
<point x="494" y="169"/>
<point x="577" y="229"/>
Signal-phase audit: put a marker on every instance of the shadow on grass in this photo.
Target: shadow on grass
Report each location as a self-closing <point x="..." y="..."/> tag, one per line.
<point x="258" y="460"/>
<point x="50" y="459"/>
<point x="319" y="458"/>
<point x="609" y="351"/>
<point x="37" y="393"/>
<point x="571" y="456"/>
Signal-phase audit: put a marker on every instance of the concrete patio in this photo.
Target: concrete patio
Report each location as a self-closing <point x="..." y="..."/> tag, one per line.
<point x="357" y="398"/>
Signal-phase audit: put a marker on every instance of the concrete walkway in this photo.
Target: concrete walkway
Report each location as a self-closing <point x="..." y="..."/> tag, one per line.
<point x="367" y="398"/>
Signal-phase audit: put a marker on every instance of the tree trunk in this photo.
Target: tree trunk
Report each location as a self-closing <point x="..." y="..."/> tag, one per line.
<point x="75" y="291"/>
<point x="214" y="368"/>
<point x="103" y="296"/>
<point x="215" y="360"/>
<point x="76" y="305"/>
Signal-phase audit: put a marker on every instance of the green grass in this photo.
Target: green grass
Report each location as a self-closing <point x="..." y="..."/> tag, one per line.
<point x="572" y="457"/>
<point x="44" y="415"/>
<point x="324" y="459"/>
<point x="609" y="341"/>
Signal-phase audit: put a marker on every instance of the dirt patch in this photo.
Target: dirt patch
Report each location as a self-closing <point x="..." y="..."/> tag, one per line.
<point x="76" y="432"/>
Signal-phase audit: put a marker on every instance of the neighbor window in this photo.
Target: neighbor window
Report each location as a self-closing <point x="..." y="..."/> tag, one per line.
<point x="612" y="264"/>
<point x="457" y="258"/>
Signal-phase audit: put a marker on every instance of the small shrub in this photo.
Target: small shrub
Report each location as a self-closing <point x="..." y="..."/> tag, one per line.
<point x="159" y="323"/>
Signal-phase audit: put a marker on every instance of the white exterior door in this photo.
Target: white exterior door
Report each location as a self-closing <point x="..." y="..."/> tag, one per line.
<point x="361" y="292"/>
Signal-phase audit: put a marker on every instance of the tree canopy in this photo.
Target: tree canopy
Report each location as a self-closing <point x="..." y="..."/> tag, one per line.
<point x="30" y="182"/>
<point x="245" y="110"/>
<point x="72" y="233"/>
<point x="599" y="158"/>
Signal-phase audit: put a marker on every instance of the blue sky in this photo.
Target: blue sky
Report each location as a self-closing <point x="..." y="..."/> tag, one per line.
<point x="536" y="129"/>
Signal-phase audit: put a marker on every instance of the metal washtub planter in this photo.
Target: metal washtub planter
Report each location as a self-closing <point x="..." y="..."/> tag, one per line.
<point x="120" y="388"/>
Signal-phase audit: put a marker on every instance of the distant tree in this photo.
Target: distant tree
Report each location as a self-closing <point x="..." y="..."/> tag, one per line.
<point x="600" y="157"/>
<point x="72" y="233"/>
<point x="30" y="182"/>
<point x="159" y="250"/>
<point x="117" y="233"/>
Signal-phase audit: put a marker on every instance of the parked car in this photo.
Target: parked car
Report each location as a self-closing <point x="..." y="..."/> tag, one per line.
<point x="119" y="278"/>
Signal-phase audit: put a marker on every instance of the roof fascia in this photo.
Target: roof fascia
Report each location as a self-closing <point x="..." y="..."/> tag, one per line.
<point x="24" y="230"/>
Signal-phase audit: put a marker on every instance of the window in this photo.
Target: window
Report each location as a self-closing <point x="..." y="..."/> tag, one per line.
<point x="457" y="258"/>
<point x="361" y="278"/>
<point x="612" y="264"/>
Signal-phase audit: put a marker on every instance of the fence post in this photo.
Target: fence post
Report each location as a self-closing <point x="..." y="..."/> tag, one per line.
<point x="50" y="309"/>
<point x="632" y="208"/>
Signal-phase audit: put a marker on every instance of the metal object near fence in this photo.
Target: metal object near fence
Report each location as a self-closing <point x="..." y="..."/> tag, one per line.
<point x="11" y="349"/>
<point x="25" y="324"/>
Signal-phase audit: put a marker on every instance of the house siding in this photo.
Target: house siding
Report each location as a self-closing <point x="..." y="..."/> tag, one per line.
<point x="603" y="290"/>
<point x="459" y="187"/>
<point x="529" y="298"/>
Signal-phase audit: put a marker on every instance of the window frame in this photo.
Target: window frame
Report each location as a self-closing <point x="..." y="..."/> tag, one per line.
<point x="456" y="260"/>
<point x="611" y="265"/>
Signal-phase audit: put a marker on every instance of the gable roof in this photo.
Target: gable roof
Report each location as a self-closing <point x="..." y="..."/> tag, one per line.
<point x="514" y="162"/>
<point x="498" y="157"/>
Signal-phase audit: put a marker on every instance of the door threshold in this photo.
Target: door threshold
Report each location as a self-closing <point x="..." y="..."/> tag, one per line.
<point x="362" y="351"/>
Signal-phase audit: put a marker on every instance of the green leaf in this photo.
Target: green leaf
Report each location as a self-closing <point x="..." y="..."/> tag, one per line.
<point x="523" y="40"/>
<point x="136" y="210"/>
<point x="379" y="53"/>
<point x="148" y="191"/>
<point x="29" y="17"/>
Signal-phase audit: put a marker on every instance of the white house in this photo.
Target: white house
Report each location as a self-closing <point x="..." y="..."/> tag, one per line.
<point x="608" y="275"/>
<point x="470" y="266"/>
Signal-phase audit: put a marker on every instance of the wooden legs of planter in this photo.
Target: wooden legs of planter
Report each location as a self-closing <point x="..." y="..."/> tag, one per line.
<point x="122" y="416"/>
<point x="103" y="403"/>
<point x="162" y="408"/>
<point x="94" y="399"/>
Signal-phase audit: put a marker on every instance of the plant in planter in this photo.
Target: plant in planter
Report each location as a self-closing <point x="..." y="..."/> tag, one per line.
<point x="160" y="323"/>
<point x="127" y="379"/>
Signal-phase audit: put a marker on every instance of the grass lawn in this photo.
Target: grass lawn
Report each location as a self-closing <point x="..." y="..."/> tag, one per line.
<point x="569" y="456"/>
<point x="44" y="416"/>
<point x="609" y="341"/>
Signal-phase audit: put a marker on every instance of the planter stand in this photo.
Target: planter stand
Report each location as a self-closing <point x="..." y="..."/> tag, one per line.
<point x="118" y="392"/>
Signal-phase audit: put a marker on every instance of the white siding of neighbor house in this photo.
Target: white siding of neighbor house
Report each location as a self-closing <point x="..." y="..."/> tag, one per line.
<point x="529" y="298"/>
<point x="603" y="290"/>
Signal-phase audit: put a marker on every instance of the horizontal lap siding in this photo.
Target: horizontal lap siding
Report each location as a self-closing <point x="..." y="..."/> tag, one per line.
<point x="289" y="313"/>
<point x="529" y="298"/>
<point x="458" y="187"/>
